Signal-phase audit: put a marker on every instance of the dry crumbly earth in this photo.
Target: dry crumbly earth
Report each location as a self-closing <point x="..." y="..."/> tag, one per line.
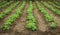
<point x="19" y="26"/>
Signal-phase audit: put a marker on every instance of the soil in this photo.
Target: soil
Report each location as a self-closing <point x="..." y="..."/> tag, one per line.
<point x="42" y="24"/>
<point x="19" y="26"/>
<point x="2" y="21"/>
<point x="56" y="19"/>
<point x="2" y="9"/>
<point x="21" y="22"/>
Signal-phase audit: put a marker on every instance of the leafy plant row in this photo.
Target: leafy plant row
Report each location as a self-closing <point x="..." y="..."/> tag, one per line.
<point x="2" y="3"/>
<point x="13" y="17"/>
<point x="8" y="3"/>
<point x="48" y="17"/>
<point x="56" y="11"/>
<point x="57" y="3"/>
<point x="31" y="21"/>
<point x="52" y="3"/>
<point x="7" y="11"/>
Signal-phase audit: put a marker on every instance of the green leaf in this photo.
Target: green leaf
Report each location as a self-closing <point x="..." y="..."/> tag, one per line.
<point x="53" y="25"/>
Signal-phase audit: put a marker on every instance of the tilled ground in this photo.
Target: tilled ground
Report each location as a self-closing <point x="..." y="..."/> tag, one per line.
<point x="19" y="26"/>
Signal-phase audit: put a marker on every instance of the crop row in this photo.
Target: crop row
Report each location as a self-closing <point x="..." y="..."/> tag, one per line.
<point x="47" y="16"/>
<point x="3" y="3"/>
<point x="52" y="3"/>
<point x="8" y="10"/>
<point x="8" y="3"/>
<point x="31" y="21"/>
<point x="56" y="11"/>
<point x="57" y="3"/>
<point x="13" y="17"/>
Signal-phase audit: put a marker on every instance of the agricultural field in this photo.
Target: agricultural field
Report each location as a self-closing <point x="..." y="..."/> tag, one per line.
<point x="30" y="18"/>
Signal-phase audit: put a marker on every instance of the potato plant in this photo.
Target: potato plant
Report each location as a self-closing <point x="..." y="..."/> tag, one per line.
<point x="8" y="3"/>
<point x="56" y="11"/>
<point x="31" y="21"/>
<point x="46" y="15"/>
<point x="13" y="17"/>
<point x="55" y="6"/>
<point x="8" y="10"/>
<point x="57" y="3"/>
<point x="2" y="3"/>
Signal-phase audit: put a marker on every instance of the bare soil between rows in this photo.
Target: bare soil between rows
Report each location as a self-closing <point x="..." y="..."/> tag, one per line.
<point x="19" y="26"/>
